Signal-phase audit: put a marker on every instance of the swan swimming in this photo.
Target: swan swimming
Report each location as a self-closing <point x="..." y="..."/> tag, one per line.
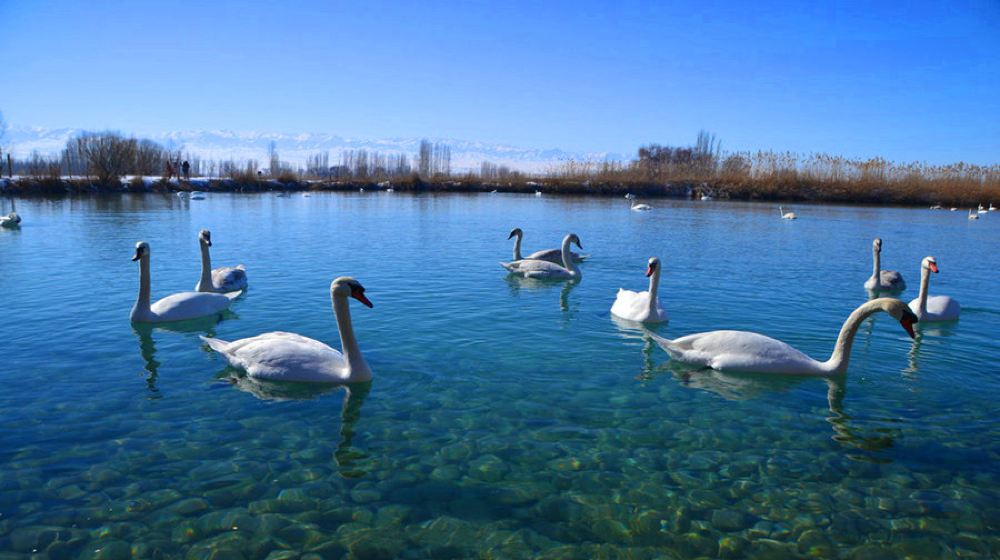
<point x="755" y="353"/>
<point x="537" y="268"/>
<point x="282" y="356"/>
<point x="883" y="280"/>
<point x="11" y="220"/>
<point x="640" y="207"/>
<point x="222" y="280"/>
<point x="642" y="307"/>
<point x="933" y="309"/>
<point x="786" y="215"/>
<point x="551" y="255"/>
<point x="175" y="307"/>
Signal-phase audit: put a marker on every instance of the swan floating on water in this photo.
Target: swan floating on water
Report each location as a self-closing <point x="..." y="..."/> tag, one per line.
<point x="551" y="255"/>
<point x="786" y="215"/>
<point x="11" y="220"/>
<point x="283" y="356"/>
<point x="642" y="307"/>
<point x="755" y="353"/>
<point x="197" y="195"/>
<point x="222" y="280"/>
<point x="883" y="280"/>
<point x="933" y="309"/>
<point x="175" y="307"/>
<point x="640" y="207"/>
<point x="973" y="215"/>
<point x="537" y="268"/>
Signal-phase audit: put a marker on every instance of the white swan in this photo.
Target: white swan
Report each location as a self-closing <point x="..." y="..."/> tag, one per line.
<point x="982" y="209"/>
<point x="642" y="307"/>
<point x="756" y="353"/>
<point x="551" y="255"/>
<point x="932" y="309"/>
<point x="786" y="215"/>
<point x="883" y="280"/>
<point x="973" y="215"/>
<point x="175" y="307"/>
<point x="282" y="356"/>
<point x="222" y="280"/>
<point x="11" y="220"/>
<point x="992" y="208"/>
<point x="537" y="268"/>
<point x="639" y="207"/>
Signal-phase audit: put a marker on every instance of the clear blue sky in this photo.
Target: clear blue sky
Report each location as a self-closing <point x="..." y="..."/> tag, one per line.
<point x="906" y="80"/>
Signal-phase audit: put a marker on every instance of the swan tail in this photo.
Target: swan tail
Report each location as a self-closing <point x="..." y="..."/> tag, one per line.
<point x="233" y="295"/>
<point x="509" y="266"/>
<point x="216" y="344"/>
<point x="241" y="267"/>
<point x="668" y="345"/>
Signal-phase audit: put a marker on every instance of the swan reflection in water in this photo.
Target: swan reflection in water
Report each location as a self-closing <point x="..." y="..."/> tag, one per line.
<point x="352" y="461"/>
<point x="517" y="283"/>
<point x="147" y="346"/>
<point x="746" y="386"/>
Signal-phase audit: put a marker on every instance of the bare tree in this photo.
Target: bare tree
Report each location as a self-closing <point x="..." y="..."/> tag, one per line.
<point x="108" y="155"/>
<point x="425" y="158"/>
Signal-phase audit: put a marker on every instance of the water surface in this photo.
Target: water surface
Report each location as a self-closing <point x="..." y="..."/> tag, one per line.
<point x="506" y="418"/>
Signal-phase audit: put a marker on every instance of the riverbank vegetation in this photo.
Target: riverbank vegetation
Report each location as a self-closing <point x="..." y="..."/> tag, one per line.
<point x="110" y="162"/>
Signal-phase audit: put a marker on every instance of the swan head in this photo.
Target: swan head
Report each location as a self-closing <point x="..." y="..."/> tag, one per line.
<point x="877" y="245"/>
<point x="345" y="286"/>
<point x="930" y="263"/>
<point x="516" y="232"/>
<point x="900" y="312"/>
<point x="141" y="250"/>
<point x="654" y="263"/>
<point x="13" y="216"/>
<point x="574" y="238"/>
<point x="205" y="237"/>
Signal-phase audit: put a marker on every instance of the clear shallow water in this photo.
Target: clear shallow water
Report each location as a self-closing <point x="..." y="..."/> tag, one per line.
<point x="506" y="419"/>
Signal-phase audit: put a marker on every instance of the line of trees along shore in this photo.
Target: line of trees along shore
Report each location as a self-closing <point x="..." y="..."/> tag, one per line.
<point x="657" y="170"/>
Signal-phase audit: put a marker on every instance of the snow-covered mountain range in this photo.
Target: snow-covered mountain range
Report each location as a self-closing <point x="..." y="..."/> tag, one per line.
<point x="295" y="148"/>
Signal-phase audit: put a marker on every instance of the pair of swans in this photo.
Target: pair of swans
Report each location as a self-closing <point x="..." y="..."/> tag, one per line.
<point x="641" y="307"/>
<point x="742" y="351"/>
<point x="933" y="309"/>
<point x="215" y="290"/>
<point x="883" y="280"/>
<point x="283" y="356"/>
<point x="546" y="269"/>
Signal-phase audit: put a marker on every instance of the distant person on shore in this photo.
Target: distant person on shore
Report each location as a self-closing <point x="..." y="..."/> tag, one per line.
<point x="169" y="170"/>
<point x="187" y="170"/>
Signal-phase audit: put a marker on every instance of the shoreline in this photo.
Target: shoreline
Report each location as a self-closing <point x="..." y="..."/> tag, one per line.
<point x="879" y="195"/>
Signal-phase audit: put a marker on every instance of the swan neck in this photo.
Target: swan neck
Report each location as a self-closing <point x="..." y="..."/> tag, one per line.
<point x="567" y="257"/>
<point x="877" y="267"/>
<point x="654" y="285"/>
<point x="205" y="283"/>
<point x="141" y="308"/>
<point x="517" y="247"/>
<point x="357" y="367"/>
<point x="925" y="280"/>
<point x="842" y="350"/>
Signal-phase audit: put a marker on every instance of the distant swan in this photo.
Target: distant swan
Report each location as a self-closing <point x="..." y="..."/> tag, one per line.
<point x="225" y="279"/>
<point x="639" y="207"/>
<point x="883" y="280"/>
<point x="537" y="268"/>
<point x="551" y="255"/>
<point x="973" y="215"/>
<point x="282" y="356"/>
<point x="786" y="215"/>
<point x="11" y="220"/>
<point x="175" y="307"/>
<point x="642" y="307"/>
<point x="932" y="309"/>
<point x="992" y="208"/>
<point x="756" y="353"/>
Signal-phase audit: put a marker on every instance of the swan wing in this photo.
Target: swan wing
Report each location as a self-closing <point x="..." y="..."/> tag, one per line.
<point x="634" y="306"/>
<point x="229" y="279"/>
<point x="555" y="256"/>
<point x="892" y="280"/>
<point x="283" y="356"/>
<point x="189" y="305"/>
<point x="739" y="351"/>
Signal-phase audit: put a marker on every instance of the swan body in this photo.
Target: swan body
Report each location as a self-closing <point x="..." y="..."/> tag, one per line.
<point x="973" y="215"/>
<point x="11" y="220"/>
<point x="175" y="307"/>
<point x="551" y="255"/>
<point x="933" y="309"/>
<point x="283" y="356"/>
<point x="641" y="207"/>
<point x="992" y="208"/>
<point x="642" y="307"/>
<point x="538" y="193"/>
<point x="755" y="353"/>
<point x="537" y="268"/>
<point x="223" y="280"/>
<point x="883" y="280"/>
<point x="786" y="215"/>
<point x="982" y="209"/>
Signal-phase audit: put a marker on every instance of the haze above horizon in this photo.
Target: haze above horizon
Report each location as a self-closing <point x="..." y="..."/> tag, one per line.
<point x="919" y="81"/>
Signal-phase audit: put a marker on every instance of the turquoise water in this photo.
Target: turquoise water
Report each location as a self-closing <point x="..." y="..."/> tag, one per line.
<point x="506" y="419"/>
